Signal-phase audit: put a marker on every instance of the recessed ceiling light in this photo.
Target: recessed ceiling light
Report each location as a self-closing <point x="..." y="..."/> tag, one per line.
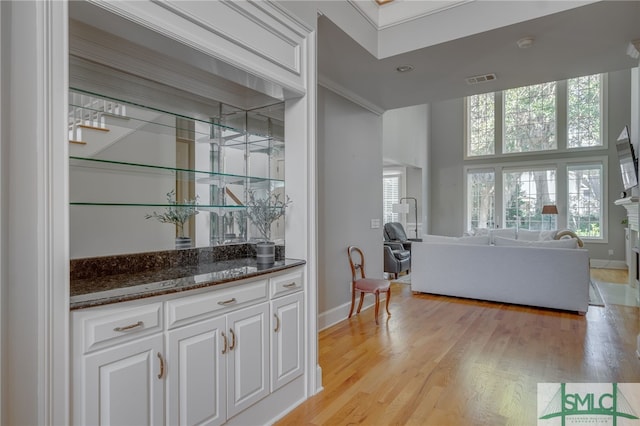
<point x="525" y="42"/>
<point x="404" y="68"/>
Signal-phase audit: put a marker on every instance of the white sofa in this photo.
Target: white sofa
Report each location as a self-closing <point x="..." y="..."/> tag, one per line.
<point x="526" y="275"/>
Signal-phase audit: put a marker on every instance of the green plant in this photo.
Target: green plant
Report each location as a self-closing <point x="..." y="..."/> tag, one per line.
<point x="176" y="214"/>
<point x="262" y="212"/>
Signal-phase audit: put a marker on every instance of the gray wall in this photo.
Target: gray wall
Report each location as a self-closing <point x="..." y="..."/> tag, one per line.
<point x="349" y="194"/>
<point x="446" y="166"/>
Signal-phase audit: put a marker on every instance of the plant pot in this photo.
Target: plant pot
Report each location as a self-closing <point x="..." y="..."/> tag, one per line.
<point x="183" y="242"/>
<point x="265" y="253"/>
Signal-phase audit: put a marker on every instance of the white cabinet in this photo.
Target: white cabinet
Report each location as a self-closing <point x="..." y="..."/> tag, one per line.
<point x="248" y="357"/>
<point x="219" y="367"/>
<point x="119" y="366"/>
<point x="196" y="386"/>
<point x="198" y="359"/>
<point x="287" y="361"/>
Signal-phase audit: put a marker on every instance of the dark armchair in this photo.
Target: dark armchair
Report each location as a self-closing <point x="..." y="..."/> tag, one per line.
<point x="394" y="232"/>
<point x="396" y="258"/>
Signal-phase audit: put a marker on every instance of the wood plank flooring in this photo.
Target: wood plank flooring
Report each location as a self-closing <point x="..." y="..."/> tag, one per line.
<point x="447" y="361"/>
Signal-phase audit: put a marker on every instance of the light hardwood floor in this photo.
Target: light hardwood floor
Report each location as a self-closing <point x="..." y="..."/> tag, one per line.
<point x="448" y="361"/>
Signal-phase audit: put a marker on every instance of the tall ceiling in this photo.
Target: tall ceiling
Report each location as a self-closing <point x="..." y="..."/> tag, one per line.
<point x="588" y="39"/>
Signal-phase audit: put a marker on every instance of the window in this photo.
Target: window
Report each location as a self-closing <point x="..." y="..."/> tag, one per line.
<point x="585" y="200"/>
<point x="530" y="118"/>
<point x="391" y="196"/>
<point x="584" y="112"/>
<point x="527" y="138"/>
<point x="481" y="188"/>
<point x="509" y="195"/>
<point x="481" y="124"/>
<point x="525" y="191"/>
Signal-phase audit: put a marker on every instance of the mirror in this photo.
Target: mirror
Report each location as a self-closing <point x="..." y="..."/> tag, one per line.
<point x="145" y="179"/>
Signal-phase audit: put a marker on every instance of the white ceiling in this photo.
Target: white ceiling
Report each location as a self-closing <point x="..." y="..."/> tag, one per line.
<point x="580" y="41"/>
<point x="399" y="11"/>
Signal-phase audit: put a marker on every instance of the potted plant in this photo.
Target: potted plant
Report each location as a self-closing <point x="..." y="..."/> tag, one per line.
<point x="262" y="212"/>
<point x="177" y="214"/>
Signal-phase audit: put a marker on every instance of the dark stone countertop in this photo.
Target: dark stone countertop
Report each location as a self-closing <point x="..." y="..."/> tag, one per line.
<point x="103" y="290"/>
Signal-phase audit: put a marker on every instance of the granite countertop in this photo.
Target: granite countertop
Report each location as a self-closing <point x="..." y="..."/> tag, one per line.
<point x="102" y="290"/>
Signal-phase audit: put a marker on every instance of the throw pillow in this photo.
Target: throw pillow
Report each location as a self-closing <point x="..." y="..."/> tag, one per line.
<point x="509" y="242"/>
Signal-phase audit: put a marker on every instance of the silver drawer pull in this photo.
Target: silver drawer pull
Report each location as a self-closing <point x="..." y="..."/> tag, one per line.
<point x="292" y="284"/>
<point x="129" y="327"/>
<point x="228" y="302"/>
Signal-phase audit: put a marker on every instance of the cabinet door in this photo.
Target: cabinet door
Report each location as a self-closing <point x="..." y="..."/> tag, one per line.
<point x="122" y="384"/>
<point x="248" y="360"/>
<point x="196" y="386"/>
<point x="286" y="339"/>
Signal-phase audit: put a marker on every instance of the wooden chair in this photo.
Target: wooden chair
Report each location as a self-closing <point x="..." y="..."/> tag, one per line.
<point x="359" y="282"/>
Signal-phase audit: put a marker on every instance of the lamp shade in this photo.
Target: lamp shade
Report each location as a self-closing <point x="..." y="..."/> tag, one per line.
<point x="549" y="209"/>
<point x="400" y="208"/>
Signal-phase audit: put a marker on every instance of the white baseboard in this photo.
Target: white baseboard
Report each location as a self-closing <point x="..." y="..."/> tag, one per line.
<point x="333" y="316"/>
<point x="608" y="264"/>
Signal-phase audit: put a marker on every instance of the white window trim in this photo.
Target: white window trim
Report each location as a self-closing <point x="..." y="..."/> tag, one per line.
<point x="561" y="187"/>
<point x="561" y="124"/>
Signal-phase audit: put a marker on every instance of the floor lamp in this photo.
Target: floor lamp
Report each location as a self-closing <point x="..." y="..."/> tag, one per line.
<point x="549" y="210"/>
<point x="404" y="208"/>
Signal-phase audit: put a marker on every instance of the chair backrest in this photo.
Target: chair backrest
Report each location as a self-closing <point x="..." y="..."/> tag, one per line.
<point x="394" y="231"/>
<point x="356" y="261"/>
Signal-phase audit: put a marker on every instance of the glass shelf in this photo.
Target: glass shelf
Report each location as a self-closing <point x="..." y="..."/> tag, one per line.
<point x="198" y="176"/>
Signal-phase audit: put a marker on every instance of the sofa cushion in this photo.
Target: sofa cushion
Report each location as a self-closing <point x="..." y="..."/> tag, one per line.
<point x="564" y="243"/>
<point x="477" y="240"/>
<point x="502" y="232"/>
<point x="526" y="235"/>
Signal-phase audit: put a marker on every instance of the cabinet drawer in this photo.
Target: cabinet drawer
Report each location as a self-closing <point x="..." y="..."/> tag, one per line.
<point x="188" y="309"/>
<point x="111" y="327"/>
<point x="287" y="283"/>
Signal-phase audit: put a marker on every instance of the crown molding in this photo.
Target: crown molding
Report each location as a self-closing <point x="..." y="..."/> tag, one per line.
<point x="348" y="94"/>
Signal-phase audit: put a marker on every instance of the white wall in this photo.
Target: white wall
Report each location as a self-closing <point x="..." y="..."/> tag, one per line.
<point x="447" y="177"/>
<point x="349" y="196"/>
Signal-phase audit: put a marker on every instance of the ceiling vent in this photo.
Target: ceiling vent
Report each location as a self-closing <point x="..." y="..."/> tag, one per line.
<point x="480" y="78"/>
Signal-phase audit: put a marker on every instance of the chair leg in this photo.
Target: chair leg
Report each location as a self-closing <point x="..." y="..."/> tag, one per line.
<point x="395" y="275"/>
<point x="388" y="299"/>
<point x="353" y="302"/>
<point x="361" y="300"/>
<point x="377" y="293"/>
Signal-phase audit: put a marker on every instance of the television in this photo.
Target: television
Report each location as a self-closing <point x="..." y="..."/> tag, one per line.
<point x="628" y="160"/>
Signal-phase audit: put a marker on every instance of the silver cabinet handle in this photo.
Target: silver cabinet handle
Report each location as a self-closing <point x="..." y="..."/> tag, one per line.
<point x="228" y="302"/>
<point x="233" y="340"/>
<point x="161" y="366"/>
<point x="277" y="323"/>
<point x="291" y="284"/>
<point x="224" y="338"/>
<point x="129" y="327"/>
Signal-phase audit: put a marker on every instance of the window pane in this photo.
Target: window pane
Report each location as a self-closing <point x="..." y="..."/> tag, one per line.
<point x="481" y="199"/>
<point x="530" y="118"/>
<point x="524" y="194"/>
<point x="585" y="200"/>
<point x="584" y="111"/>
<point x="480" y="125"/>
<point x="391" y="196"/>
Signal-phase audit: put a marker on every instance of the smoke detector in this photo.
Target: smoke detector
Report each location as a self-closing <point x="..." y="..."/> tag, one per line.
<point x="480" y="78"/>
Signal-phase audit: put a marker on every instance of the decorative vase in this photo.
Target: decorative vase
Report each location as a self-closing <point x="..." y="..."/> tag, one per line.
<point x="183" y="242"/>
<point x="265" y="253"/>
